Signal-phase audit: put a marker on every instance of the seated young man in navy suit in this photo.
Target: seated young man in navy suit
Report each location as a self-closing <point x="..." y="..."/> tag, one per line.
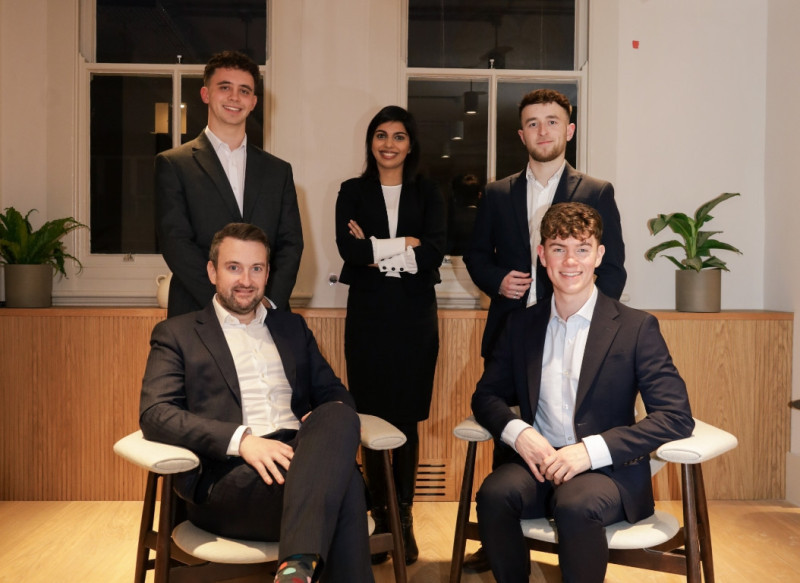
<point x="248" y="391"/>
<point x="574" y="366"/>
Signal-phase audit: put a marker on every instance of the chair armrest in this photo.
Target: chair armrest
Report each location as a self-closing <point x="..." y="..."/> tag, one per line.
<point x="471" y="430"/>
<point x="154" y="456"/>
<point x="379" y="434"/>
<point x="706" y="442"/>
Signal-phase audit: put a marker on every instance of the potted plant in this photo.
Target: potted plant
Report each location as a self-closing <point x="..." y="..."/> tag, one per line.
<point x="697" y="281"/>
<point x="32" y="257"/>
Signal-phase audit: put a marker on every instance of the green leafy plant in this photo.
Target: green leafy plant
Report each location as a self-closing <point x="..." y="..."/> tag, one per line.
<point x="696" y="243"/>
<point x="21" y="244"/>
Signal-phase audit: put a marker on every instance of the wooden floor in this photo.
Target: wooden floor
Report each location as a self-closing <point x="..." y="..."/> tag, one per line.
<point x="93" y="542"/>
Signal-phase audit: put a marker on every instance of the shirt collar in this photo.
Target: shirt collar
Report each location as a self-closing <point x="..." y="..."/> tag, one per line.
<point x="554" y="178"/>
<point x="217" y="143"/>
<point x="227" y="319"/>
<point x="585" y="312"/>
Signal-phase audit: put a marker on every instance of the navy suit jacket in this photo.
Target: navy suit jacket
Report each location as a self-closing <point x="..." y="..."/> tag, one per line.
<point x="190" y="392"/>
<point x="501" y="242"/>
<point x="625" y="355"/>
<point x="194" y="200"/>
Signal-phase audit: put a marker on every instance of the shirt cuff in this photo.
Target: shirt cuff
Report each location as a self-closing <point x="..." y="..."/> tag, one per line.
<point x="236" y="439"/>
<point x="404" y="262"/>
<point x="512" y="431"/>
<point x="599" y="453"/>
<point x="386" y="248"/>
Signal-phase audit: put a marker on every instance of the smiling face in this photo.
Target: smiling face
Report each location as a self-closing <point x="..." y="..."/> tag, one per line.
<point x="570" y="265"/>
<point x="390" y="146"/>
<point x="545" y="131"/>
<point x="230" y="95"/>
<point x="240" y="276"/>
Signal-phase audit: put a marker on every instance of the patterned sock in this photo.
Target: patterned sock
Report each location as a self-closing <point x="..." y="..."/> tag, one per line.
<point x="298" y="569"/>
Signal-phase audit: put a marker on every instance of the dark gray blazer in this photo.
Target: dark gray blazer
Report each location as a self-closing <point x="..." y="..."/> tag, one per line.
<point x="194" y="200"/>
<point x="501" y="242"/>
<point x="625" y="355"/>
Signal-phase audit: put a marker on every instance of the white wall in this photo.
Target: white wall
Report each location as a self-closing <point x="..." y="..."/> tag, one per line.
<point x="781" y="263"/>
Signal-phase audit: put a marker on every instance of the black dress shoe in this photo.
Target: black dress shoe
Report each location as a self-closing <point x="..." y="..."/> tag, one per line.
<point x="477" y="562"/>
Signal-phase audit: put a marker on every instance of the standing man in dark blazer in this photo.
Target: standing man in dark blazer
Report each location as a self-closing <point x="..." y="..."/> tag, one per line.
<point x="502" y="255"/>
<point x="248" y="391"/>
<point x="219" y="178"/>
<point x="574" y="366"/>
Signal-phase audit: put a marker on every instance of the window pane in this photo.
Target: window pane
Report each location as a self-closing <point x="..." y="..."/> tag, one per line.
<point x="453" y="147"/>
<point x="511" y="154"/>
<point x="130" y="123"/>
<point x="481" y="34"/>
<point x="157" y="31"/>
<point x="197" y="113"/>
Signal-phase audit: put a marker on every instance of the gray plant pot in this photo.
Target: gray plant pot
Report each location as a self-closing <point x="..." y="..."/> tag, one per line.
<point x="29" y="286"/>
<point x="698" y="291"/>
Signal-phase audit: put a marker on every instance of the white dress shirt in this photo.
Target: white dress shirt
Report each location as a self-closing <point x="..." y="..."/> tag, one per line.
<point x="540" y="197"/>
<point x="265" y="390"/>
<point x="564" y="346"/>
<point x="392" y="255"/>
<point x="233" y="162"/>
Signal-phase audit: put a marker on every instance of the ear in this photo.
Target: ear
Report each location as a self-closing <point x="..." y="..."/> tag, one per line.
<point x="570" y="131"/>
<point x="540" y="253"/>
<point x="601" y="250"/>
<point x="204" y="94"/>
<point x="212" y="272"/>
<point x="521" y="135"/>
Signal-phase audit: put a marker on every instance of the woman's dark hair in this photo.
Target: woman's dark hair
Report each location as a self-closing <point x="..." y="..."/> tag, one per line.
<point x="388" y="114"/>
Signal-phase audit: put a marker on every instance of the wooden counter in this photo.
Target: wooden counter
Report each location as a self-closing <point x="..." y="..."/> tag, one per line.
<point x="70" y="380"/>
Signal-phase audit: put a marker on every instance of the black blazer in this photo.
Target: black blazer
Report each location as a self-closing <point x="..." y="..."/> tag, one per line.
<point x="501" y="242"/>
<point x="421" y="214"/>
<point x="190" y="392"/>
<point x="625" y="355"/>
<point x="194" y="200"/>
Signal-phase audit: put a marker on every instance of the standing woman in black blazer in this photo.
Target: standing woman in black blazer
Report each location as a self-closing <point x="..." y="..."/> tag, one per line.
<point x="390" y="231"/>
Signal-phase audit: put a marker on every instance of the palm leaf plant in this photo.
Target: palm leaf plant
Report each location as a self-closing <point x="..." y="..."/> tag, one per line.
<point x="697" y="245"/>
<point x="21" y="244"/>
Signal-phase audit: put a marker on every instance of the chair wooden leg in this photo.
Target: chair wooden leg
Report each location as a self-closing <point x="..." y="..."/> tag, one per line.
<point x="704" y="526"/>
<point x="393" y="510"/>
<point x="462" y="517"/>
<point x="691" y="539"/>
<point x="145" y="526"/>
<point x="164" y="538"/>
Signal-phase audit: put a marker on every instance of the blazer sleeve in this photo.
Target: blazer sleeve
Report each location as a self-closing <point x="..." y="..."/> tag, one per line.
<point x="288" y="245"/>
<point x="175" y="232"/>
<point x="663" y="392"/>
<point x="357" y="252"/>
<point x="164" y="413"/>
<point x="481" y="257"/>
<point x="611" y="274"/>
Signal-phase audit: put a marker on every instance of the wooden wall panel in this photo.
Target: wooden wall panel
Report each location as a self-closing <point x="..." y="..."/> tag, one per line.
<point x="70" y="381"/>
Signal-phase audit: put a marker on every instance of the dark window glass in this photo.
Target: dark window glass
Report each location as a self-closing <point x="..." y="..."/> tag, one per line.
<point x="130" y="121"/>
<point x="511" y="154"/>
<point x="453" y="147"/>
<point x="499" y="34"/>
<point x="158" y="31"/>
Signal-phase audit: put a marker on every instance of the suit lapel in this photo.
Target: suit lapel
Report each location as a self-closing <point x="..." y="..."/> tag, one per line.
<point x="284" y="345"/>
<point x="254" y="176"/>
<point x="211" y="335"/>
<point x="207" y="159"/>
<point x="602" y="332"/>
<point x="519" y="206"/>
<point x="570" y="179"/>
<point x="534" y="352"/>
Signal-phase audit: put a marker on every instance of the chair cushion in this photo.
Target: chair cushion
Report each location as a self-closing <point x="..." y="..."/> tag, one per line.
<point x="654" y="530"/>
<point x="217" y="549"/>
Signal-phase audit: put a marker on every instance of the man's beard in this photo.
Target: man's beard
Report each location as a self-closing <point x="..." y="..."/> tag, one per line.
<point x="546" y="157"/>
<point x="229" y="302"/>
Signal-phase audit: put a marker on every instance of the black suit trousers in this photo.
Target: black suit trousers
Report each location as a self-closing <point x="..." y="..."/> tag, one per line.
<point x="320" y="509"/>
<point x="581" y="507"/>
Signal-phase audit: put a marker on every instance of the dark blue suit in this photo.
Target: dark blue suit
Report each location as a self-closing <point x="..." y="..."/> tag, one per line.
<point x="625" y="355"/>
<point x="501" y="242"/>
<point x="191" y="398"/>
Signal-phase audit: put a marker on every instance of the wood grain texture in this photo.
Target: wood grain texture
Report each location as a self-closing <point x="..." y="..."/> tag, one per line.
<point x="71" y="379"/>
